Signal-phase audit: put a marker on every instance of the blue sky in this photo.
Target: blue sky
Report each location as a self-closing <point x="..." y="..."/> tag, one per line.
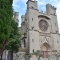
<point x="20" y="6"/>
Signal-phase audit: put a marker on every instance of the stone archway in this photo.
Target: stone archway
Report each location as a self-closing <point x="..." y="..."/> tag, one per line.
<point x="45" y="49"/>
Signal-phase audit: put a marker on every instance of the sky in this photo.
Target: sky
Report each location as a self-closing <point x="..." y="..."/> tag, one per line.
<point x="20" y="6"/>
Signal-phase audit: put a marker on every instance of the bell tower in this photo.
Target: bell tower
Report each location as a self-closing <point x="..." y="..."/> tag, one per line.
<point x="32" y="4"/>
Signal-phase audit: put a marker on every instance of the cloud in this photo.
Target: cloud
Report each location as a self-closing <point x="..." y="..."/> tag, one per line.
<point x="15" y="5"/>
<point x="24" y="1"/>
<point x="15" y="1"/>
<point x="19" y="19"/>
<point x="19" y="6"/>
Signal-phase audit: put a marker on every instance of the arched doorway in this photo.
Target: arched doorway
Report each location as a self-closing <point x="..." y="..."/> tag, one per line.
<point x="45" y="49"/>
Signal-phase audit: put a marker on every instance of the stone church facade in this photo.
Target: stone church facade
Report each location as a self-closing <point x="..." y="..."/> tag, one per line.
<point x="40" y="30"/>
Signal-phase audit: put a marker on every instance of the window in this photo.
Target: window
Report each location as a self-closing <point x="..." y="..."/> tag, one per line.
<point x="55" y="23"/>
<point x="32" y="40"/>
<point x="56" y="31"/>
<point x="32" y="19"/>
<point x="57" y="42"/>
<point x="26" y="19"/>
<point x="32" y="28"/>
<point x="24" y="43"/>
<point x="31" y="7"/>
<point x="33" y="50"/>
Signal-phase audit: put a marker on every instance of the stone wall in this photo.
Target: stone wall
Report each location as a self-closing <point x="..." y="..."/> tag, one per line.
<point x="19" y="56"/>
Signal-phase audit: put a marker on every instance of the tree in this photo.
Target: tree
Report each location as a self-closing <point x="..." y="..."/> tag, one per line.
<point x="14" y="43"/>
<point x="38" y="53"/>
<point x="5" y="23"/>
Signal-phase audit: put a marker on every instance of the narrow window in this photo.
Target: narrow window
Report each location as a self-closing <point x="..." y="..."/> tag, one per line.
<point x="24" y="43"/>
<point x="57" y="42"/>
<point x="56" y="31"/>
<point x="32" y="40"/>
<point x="32" y="19"/>
<point x="55" y="23"/>
<point x="26" y="19"/>
<point x="33" y="50"/>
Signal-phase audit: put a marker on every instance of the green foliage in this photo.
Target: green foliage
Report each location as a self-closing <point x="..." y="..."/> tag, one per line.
<point x="5" y="22"/>
<point x="9" y="34"/>
<point x="29" y="55"/>
<point x="38" y="53"/>
<point x="14" y="42"/>
<point x="13" y="45"/>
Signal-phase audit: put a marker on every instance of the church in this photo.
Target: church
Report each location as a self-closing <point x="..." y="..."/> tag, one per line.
<point x="40" y="31"/>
